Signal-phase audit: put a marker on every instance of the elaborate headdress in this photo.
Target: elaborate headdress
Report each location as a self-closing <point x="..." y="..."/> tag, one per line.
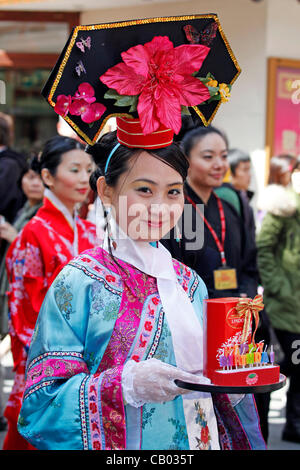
<point x="147" y="73"/>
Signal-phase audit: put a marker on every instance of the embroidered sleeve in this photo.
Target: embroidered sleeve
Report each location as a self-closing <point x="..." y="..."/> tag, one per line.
<point x="64" y="385"/>
<point x="27" y="284"/>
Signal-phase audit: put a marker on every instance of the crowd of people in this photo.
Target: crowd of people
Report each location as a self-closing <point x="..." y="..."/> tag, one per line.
<point x="46" y="248"/>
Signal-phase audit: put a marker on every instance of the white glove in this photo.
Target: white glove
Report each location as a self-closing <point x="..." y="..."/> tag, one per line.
<point x="152" y="381"/>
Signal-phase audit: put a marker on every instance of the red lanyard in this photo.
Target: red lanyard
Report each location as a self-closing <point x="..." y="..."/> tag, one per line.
<point x="220" y="244"/>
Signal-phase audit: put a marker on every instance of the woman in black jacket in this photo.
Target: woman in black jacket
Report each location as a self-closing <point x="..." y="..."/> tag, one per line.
<point x="212" y="239"/>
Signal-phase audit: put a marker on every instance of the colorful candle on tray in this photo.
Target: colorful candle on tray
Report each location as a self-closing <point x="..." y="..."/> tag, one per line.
<point x="236" y="354"/>
<point x="250" y="357"/>
<point x="243" y="360"/>
<point x="257" y="358"/>
<point x="264" y="356"/>
<point x="223" y="361"/>
<point x="230" y="359"/>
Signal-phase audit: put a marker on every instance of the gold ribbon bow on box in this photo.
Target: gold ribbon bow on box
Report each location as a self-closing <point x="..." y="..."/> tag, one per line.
<point x="247" y="308"/>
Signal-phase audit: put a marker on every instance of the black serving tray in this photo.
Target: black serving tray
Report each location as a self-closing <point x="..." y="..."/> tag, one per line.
<point x="211" y="388"/>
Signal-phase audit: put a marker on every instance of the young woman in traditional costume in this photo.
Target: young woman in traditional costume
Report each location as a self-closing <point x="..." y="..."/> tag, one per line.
<point x="47" y="242"/>
<point x="123" y="321"/>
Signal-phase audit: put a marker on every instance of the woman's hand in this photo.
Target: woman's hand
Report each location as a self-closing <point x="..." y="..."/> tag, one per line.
<point x="152" y="381"/>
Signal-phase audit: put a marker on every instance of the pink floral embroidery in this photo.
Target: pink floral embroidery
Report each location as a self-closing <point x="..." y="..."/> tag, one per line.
<point x="33" y="264"/>
<point x="54" y="367"/>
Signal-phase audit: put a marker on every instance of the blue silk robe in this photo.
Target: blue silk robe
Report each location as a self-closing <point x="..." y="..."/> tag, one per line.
<point x="96" y="315"/>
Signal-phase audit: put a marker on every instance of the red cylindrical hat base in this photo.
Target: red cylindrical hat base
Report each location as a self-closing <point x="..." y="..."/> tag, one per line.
<point x="130" y="134"/>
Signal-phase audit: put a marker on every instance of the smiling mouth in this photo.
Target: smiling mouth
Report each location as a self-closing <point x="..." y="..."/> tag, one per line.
<point x="218" y="176"/>
<point x="154" y="224"/>
<point x="82" y="191"/>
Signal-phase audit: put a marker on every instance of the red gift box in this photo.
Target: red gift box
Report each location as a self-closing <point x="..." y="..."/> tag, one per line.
<point x="224" y="326"/>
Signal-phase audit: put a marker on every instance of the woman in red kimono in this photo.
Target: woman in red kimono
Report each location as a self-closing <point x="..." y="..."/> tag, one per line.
<point x="53" y="236"/>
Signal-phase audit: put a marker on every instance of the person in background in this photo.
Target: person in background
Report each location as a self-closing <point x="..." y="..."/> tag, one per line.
<point x="33" y="188"/>
<point x="46" y="243"/>
<point x="278" y="243"/>
<point x="280" y="170"/>
<point x="240" y="171"/>
<point x="223" y="240"/>
<point x="31" y="184"/>
<point x="12" y="164"/>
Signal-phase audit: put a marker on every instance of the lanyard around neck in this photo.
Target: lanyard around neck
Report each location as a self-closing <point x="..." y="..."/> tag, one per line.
<point x="220" y="244"/>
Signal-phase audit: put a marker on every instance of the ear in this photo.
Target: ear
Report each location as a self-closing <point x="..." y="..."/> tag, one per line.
<point x="104" y="191"/>
<point x="47" y="178"/>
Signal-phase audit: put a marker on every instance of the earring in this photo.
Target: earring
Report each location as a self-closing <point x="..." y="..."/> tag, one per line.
<point x="107" y="215"/>
<point x="178" y="235"/>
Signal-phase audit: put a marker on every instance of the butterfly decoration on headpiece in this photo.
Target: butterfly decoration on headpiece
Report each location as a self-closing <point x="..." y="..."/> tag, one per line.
<point x="205" y="37"/>
<point x="80" y="68"/>
<point x="84" y="42"/>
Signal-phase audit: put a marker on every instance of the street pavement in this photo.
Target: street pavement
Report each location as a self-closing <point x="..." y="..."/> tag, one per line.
<point x="276" y="413"/>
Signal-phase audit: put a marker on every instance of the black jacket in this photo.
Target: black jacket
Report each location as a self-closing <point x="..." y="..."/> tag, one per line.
<point x="12" y="165"/>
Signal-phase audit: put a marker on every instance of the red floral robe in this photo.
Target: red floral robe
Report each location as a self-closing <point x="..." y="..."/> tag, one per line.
<point x="33" y="261"/>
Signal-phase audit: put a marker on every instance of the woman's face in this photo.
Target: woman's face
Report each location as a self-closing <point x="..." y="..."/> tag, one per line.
<point x="148" y="199"/>
<point x="208" y="161"/>
<point x="71" y="181"/>
<point x="32" y="186"/>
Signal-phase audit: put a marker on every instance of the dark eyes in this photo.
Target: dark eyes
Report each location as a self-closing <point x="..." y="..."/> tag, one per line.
<point x="146" y="190"/>
<point x="209" y="157"/>
<point x="76" y="170"/>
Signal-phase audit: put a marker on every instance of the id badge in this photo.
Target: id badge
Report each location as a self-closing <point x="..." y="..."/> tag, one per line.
<point x="225" y="278"/>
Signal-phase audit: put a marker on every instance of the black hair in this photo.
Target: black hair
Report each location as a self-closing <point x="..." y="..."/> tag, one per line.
<point x="53" y="150"/>
<point x="235" y="157"/>
<point x="191" y="138"/>
<point x="30" y="164"/>
<point x="171" y="155"/>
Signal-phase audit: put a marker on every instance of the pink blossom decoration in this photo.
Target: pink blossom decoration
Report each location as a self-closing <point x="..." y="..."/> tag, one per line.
<point x="62" y="104"/>
<point x="161" y="75"/>
<point x="85" y="92"/>
<point x="83" y="104"/>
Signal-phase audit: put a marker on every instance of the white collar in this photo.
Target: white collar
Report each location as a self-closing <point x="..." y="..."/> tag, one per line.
<point x="66" y="213"/>
<point x="61" y="207"/>
<point x="185" y="327"/>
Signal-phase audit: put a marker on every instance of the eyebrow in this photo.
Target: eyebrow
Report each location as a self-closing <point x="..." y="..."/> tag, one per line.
<point x="156" y="184"/>
<point x="212" y="151"/>
<point x="79" y="164"/>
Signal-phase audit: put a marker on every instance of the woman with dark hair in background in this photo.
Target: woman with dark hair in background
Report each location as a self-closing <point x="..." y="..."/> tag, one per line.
<point x="51" y="238"/>
<point x="33" y="188"/>
<point x="12" y="164"/>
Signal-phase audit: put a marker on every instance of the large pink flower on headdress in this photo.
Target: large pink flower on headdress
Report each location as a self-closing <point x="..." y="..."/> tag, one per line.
<point x="161" y="75"/>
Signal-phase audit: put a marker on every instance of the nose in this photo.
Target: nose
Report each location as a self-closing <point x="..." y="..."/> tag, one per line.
<point x="84" y="176"/>
<point x="218" y="162"/>
<point x="159" y="210"/>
